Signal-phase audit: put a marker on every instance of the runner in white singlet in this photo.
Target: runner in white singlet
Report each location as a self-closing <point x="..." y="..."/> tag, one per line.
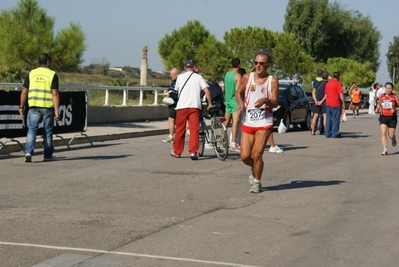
<point x="260" y="93"/>
<point x="257" y="117"/>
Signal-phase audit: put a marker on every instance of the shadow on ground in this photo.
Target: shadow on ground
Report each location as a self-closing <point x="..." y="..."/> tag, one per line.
<point x="302" y="184"/>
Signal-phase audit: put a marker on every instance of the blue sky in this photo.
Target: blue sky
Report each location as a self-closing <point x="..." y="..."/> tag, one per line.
<point x="116" y="30"/>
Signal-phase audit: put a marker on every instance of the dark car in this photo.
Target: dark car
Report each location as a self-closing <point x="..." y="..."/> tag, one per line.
<point x="295" y="107"/>
<point x="309" y="95"/>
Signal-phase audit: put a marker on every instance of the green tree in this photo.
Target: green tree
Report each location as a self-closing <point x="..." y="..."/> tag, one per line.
<point x="393" y="59"/>
<point x="289" y="58"/>
<point x="213" y="58"/>
<point x="68" y="49"/>
<point x="9" y="75"/>
<point x="182" y="44"/>
<point x="246" y="42"/>
<point x="27" y="31"/>
<point x="193" y="41"/>
<point x="308" y="21"/>
<point x="351" y="71"/>
<point x="328" y="30"/>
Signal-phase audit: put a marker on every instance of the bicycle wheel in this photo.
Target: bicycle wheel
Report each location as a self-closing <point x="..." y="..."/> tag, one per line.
<point x="221" y="144"/>
<point x="201" y="147"/>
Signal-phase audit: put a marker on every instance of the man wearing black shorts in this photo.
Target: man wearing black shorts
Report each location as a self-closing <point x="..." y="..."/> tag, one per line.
<point x="319" y="99"/>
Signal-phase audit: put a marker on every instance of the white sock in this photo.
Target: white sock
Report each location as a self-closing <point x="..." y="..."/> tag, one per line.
<point x="256" y="181"/>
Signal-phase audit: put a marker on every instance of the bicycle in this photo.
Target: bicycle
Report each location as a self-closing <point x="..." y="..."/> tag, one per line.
<point x="216" y="135"/>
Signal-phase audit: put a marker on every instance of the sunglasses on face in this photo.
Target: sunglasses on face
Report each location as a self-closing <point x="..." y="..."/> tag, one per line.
<point x="260" y="63"/>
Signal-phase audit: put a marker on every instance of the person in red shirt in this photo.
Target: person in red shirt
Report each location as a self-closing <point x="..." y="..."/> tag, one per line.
<point x="388" y="104"/>
<point x="334" y="104"/>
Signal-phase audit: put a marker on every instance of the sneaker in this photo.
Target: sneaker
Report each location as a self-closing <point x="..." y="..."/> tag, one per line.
<point x="394" y="141"/>
<point x="28" y="158"/>
<point x="275" y="149"/>
<point x="172" y="154"/>
<point x="384" y="152"/>
<point x="251" y="178"/>
<point x="256" y="188"/>
<point x="168" y="140"/>
<point x="234" y="147"/>
<point x="53" y="158"/>
<point x="194" y="156"/>
<point x="208" y="146"/>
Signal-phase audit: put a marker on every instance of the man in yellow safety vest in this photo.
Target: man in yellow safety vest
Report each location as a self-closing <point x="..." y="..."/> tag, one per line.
<point x="40" y="88"/>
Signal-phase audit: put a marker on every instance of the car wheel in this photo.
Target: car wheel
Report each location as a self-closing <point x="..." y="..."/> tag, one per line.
<point x="287" y="121"/>
<point x="306" y="124"/>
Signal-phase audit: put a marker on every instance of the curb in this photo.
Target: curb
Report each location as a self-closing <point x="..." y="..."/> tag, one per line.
<point x="81" y="139"/>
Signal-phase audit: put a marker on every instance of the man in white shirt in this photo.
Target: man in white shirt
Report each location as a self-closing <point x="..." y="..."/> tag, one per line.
<point x="379" y="89"/>
<point x="189" y="86"/>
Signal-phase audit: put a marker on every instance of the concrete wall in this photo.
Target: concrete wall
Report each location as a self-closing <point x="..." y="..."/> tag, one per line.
<point x="105" y="114"/>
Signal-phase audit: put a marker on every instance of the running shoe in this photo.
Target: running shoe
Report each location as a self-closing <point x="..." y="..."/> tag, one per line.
<point x="169" y="139"/>
<point x="53" y="158"/>
<point x="251" y="178"/>
<point x="256" y="188"/>
<point x="394" y="141"/>
<point x="194" y="156"/>
<point x="173" y="155"/>
<point x="275" y="149"/>
<point x="28" y="158"/>
<point x="234" y="147"/>
<point x="384" y="152"/>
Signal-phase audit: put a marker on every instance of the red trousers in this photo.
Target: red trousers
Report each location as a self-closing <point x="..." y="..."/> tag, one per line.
<point x="192" y="115"/>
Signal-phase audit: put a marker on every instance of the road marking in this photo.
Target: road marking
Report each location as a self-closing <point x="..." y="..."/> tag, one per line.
<point x="63" y="260"/>
<point x="125" y="254"/>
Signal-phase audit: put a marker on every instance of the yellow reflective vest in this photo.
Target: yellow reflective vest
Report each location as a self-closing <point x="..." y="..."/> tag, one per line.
<point x="40" y="80"/>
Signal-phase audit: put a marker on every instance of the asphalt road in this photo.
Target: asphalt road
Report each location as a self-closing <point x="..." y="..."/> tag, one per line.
<point x="327" y="202"/>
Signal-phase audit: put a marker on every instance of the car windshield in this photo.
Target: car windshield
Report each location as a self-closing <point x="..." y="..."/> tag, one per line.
<point x="282" y="91"/>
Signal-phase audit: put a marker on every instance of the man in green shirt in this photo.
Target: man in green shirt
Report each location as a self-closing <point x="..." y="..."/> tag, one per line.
<point x="231" y="81"/>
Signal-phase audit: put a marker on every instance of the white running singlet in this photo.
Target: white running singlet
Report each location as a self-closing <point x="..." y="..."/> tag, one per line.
<point x="257" y="117"/>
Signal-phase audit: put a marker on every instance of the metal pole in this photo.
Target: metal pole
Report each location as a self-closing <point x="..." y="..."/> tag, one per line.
<point x="393" y="78"/>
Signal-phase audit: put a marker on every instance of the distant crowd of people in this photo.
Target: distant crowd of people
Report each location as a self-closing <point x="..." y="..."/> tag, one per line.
<point x="329" y="104"/>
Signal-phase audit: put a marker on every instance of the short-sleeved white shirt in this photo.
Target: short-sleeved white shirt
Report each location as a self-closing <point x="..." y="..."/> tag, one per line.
<point x="380" y="92"/>
<point x="189" y="96"/>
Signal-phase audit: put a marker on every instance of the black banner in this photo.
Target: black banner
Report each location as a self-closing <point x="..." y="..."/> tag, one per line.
<point x="73" y="114"/>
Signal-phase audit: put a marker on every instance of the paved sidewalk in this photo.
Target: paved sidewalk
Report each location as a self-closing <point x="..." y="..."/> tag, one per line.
<point x="105" y="132"/>
<point x="97" y="133"/>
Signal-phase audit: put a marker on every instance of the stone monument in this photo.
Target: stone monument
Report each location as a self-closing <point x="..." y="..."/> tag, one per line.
<point x="144" y="67"/>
